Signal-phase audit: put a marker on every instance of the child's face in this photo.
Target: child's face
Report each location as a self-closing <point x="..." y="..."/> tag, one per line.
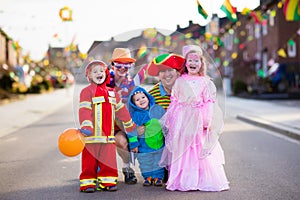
<point x="193" y="63"/>
<point x="97" y="74"/>
<point x="141" y="100"/>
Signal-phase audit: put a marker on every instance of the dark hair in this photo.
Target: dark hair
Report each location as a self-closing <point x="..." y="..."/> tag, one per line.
<point x="135" y="94"/>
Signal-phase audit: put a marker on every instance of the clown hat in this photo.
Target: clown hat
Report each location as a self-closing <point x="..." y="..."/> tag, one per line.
<point x="122" y="55"/>
<point x="166" y="61"/>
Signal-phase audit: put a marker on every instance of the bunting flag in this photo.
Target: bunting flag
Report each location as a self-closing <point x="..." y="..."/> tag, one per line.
<point x="256" y="16"/>
<point x="16" y="45"/>
<point x="140" y="77"/>
<point x="142" y="51"/>
<point x="281" y="53"/>
<point x="229" y="10"/>
<point x="56" y="37"/>
<point x="291" y="10"/>
<point x="246" y="11"/>
<point x="201" y="11"/>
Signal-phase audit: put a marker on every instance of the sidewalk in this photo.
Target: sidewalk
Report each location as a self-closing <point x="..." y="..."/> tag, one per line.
<point x="21" y="113"/>
<point x="282" y="116"/>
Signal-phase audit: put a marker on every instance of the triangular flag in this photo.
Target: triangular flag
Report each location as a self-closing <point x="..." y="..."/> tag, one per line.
<point x="142" y="51"/>
<point x="229" y="10"/>
<point x="256" y="15"/>
<point x="201" y="11"/>
<point x="261" y="73"/>
<point x="56" y="37"/>
<point x="281" y="53"/>
<point x="246" y="11"/>
<point x="140" y="77"/>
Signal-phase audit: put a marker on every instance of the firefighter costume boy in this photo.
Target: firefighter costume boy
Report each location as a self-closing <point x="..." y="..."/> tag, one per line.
<point x="99" y="105"/>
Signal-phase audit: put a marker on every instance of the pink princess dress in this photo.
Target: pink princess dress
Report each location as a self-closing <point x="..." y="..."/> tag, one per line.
<point x="192" y="124"/>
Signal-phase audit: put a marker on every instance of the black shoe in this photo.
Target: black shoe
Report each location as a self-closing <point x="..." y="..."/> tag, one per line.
<point x="129" y="175"/>
<point x="89" y="190"/>
<point x="166" y="176"/>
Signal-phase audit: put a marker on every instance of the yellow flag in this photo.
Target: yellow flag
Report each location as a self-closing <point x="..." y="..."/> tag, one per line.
<point x="246" y="11"/>
<point x="281" y="53"/>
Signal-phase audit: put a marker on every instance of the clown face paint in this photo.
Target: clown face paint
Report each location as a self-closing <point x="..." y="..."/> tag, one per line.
<point x="121" y="69"/>
<point x="97" y="74"/>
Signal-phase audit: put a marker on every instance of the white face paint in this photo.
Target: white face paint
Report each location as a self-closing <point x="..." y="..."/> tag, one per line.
<point x="193" y="64"/>
<point x="97" y="74"/>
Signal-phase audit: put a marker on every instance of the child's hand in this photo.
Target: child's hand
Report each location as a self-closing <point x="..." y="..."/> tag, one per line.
<point x="85" y="132"/>
<point x="135" y="150"/>
<point x="141" y="130"/>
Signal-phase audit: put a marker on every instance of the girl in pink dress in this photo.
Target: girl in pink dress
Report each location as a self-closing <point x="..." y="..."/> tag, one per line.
<point x="192" y="125"/>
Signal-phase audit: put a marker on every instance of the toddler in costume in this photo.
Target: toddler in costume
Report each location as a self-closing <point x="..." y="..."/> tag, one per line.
<point x="192" y="125"/>
<point x="99" y="105"/>
<point x="149" y="142"/>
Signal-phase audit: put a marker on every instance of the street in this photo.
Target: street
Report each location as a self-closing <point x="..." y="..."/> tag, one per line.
<point x="260" y="164"/>
<point x="56" y="60"/>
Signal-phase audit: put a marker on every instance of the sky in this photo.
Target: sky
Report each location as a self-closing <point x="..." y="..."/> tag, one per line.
<point x="36" y="24"/>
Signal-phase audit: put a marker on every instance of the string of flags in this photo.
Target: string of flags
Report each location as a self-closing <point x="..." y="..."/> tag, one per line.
<point x="226" y="7"/>
<point x="290" y="8"/>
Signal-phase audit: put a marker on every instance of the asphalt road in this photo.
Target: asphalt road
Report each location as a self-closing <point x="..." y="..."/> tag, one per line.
<point x="260" y="164"/>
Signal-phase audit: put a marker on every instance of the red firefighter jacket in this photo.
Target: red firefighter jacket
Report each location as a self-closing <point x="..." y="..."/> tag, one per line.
<point x="98" y="108"/>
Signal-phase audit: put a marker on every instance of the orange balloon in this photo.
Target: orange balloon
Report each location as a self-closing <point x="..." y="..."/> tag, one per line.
<point x="71" y="142"/>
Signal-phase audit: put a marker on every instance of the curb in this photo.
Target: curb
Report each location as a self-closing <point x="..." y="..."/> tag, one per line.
<point x="287" y="131"/>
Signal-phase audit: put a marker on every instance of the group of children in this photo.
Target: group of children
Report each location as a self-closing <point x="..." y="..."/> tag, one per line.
<point x="182" y="138"/>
